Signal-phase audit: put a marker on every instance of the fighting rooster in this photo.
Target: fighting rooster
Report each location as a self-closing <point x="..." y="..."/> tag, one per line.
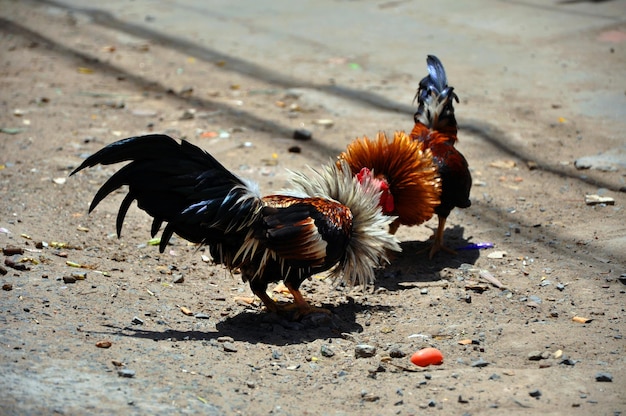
<point x="328" y="220"/>
<point x="405" y="174"/>
<point x="436" y="128"/>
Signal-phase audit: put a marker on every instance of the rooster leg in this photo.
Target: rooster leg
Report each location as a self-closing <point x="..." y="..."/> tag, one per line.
<point x="438" y="239"/>
<point x="301" y="305"/>
<point x="295" y="310"/>
<point x="267" y="301"/>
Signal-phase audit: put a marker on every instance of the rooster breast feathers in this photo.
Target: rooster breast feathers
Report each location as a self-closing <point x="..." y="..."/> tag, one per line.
<point x="296" y="233"/>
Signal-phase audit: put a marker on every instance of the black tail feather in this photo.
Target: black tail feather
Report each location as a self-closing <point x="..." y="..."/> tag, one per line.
<point x="436" y="99"/>
<point x="177" y="183"/>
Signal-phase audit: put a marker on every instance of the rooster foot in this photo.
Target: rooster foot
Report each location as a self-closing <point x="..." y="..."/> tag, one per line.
<point x="296" y="312"/>
<point x="435" y="248"/>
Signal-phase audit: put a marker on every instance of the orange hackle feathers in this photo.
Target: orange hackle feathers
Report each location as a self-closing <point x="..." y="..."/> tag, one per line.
<point x="408" y="169"/>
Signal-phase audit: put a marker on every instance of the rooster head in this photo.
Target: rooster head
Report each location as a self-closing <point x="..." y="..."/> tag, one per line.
<point x="386" y="198"/>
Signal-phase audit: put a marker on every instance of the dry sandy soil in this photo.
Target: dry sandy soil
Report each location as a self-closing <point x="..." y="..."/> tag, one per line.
<point x="70" y="86"/>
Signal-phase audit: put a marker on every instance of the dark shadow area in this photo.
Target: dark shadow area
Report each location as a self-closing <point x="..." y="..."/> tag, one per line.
<point x="412" y="265"/>
<point x="261" y="327"/>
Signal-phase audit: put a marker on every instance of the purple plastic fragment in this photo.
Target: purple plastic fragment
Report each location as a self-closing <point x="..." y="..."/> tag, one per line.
<point x="475" y="246"/>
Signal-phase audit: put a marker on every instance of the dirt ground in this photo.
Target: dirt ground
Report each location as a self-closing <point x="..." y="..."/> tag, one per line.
<point x="70" y="86"/>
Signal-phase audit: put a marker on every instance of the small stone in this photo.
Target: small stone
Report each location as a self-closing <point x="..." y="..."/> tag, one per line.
<point x="104" y="344"/>
<point x="137" y="321"/>
<point x="560" y="287"/>
<point x="124" y="372"/>
<point x="225" y="339"/>
<point x="567" y="361"/>
<point x="606" y="377"/>
<point x="424" y="291"/>
<point x="397" y="353"/>
<point x="497" y="254"/>
<point x="364" y="351"/>
<point x="326" y="351"/>
<point x="69" y="279"/>
<point x="535" y="393"/>
<point x="494" y="377"/>
<point x="229" y="347"/>
<point x="178" y="278"/>
<point x="480" y="363"/>
<point x="7" y="286"/>
<point x="534" y="355"/>
<point x="302" y="134"/>
<point x="251" y="384"/>
<point x="201" y="316"/>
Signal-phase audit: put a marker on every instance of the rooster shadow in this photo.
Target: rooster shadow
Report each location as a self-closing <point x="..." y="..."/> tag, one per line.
<point x="256" y="327"/>
<point x="412" y="265"/>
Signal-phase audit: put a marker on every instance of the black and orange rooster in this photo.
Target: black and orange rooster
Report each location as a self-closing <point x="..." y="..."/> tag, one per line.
<point x="436" y="128"/>
<point x="328" y="220"/>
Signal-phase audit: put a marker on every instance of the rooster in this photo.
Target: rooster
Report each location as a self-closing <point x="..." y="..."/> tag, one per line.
<point x="436" y="128"/>
<point x="405" y="174"/>
<point x="328" y="220"/>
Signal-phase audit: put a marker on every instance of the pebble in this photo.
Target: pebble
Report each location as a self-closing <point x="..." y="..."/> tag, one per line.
<point x="494" y="377"/>
<point x="178" y="278"/>
<point x="302" y="134"/>
<point x="7" y="286"/>
<point x="535" y="393"/>
<point x="424" y="291"/>
<point x="480" y="363"/>
<point x="607" y="377"/>
<point x="397" y="353"/>
<point x="124" y="372"/>
<point x="560" y="287"/>
<point x="326" y="351"/>
<point x="202" y="316"/>
<point x="137" y="321"/>
<point x="229" y="347"/>
<point x="69" y="279"/>
<point x="364" y="351"/>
